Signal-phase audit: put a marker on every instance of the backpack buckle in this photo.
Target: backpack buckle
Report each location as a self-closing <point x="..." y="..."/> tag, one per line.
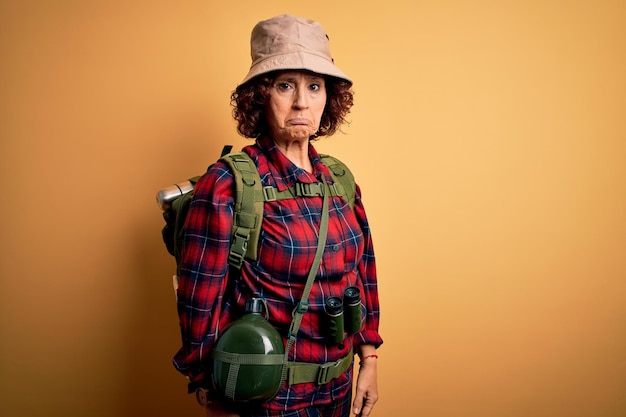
<point x="238" y="247"/>
<point x="269" y="193"/>
<point x="328" y="372"/>
<point x="337" y="189"/>
<point x="309" y="190"/>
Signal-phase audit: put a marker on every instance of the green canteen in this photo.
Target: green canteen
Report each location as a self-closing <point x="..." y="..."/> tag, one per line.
<point x="246" y="376"/>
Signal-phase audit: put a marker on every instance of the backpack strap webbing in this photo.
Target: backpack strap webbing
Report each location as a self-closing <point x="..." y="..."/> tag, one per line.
<point x="248" y="213"/>
<point x="301" y="189"/>
<point x="250" y="196"/>
<point x="303" y="306"/>
<point x="343" y="179"/>
<point x="343" y="184"/>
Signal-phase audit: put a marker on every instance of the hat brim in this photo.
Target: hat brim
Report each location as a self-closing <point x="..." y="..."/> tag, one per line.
<point x="295" y="61"/>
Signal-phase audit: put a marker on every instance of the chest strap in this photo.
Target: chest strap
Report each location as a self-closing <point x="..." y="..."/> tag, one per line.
<point x="301" y="189"/>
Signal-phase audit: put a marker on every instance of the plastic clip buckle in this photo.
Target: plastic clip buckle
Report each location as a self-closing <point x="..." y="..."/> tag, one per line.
<point x="308" y="189"/>
<point x="269" y="193"/>
<point x="324" y="376"/>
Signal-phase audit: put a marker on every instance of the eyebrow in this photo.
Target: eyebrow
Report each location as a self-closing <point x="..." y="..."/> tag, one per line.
<point x="292" y="78"/>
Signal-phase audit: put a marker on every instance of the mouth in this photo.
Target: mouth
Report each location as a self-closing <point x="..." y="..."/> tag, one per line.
<point x="299" y="122"/>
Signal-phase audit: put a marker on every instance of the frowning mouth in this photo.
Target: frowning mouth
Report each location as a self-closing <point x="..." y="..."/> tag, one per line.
<point x="299" y="122"/>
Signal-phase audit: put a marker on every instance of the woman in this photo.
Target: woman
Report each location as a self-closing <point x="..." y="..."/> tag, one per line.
<point x="292" y="94"/>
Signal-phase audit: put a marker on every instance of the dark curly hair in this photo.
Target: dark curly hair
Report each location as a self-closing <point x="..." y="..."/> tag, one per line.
<point x="249" y="101"/>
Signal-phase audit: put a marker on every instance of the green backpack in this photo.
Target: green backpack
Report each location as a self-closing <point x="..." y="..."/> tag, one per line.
<point x="250" y="196"/>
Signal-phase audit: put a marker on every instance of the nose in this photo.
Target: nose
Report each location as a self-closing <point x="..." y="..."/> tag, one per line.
<point x="301" y="101"/>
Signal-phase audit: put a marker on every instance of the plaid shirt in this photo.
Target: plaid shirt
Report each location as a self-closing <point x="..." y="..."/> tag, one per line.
<point x="207" y="302"/>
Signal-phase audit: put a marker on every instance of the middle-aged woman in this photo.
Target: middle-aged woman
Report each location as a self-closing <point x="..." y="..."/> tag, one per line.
<point x="292" y="94"/>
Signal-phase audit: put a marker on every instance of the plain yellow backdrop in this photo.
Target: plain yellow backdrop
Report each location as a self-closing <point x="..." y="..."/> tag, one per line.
<point x="489" y="138"/>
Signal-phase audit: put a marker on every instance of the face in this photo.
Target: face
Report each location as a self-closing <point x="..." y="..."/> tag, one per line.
<point x="296" y="104"/>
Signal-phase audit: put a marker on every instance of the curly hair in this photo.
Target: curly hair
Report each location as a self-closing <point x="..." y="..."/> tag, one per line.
<point x="249" y="101"/>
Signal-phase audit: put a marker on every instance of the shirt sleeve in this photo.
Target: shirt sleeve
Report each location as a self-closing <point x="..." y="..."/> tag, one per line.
<point x="367" y="272"/>
<point x="204" y="272"/>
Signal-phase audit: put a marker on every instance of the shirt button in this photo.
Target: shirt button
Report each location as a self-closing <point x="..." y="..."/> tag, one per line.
<point x="335" y="248"/>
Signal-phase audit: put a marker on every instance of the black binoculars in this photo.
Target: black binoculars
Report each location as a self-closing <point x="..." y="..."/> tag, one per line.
<point x="340" y="320"/>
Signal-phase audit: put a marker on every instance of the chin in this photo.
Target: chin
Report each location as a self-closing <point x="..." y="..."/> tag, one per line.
<point x="300" y="134"/>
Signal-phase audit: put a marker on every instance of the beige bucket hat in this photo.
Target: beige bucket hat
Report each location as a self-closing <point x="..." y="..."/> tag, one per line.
<point x="289" y="42"/>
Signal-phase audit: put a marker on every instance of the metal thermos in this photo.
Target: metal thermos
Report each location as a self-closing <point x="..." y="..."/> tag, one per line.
<point x="165" y="196"/>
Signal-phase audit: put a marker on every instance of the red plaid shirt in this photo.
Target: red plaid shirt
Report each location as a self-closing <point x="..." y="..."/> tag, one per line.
<point x="286" y="250"/>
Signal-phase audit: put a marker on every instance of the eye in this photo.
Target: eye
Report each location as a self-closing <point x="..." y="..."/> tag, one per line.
<point x="283" y="86"/>
<point x="315" y="87"/>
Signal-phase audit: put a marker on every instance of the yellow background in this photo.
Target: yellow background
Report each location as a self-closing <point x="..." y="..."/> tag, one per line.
<point x="489" y="138"/>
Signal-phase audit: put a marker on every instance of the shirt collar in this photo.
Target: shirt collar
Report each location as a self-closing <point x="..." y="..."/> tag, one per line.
<point x="285" y="172"/>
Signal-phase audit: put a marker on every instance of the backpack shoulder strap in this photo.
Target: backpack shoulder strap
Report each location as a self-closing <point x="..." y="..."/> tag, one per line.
<point x="248" y="208"/>
<point x="342" y="178"/>
<point x="250" y="196"/>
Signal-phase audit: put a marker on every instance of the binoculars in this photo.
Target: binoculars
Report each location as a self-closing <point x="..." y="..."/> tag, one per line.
<point x="343" y="315"/>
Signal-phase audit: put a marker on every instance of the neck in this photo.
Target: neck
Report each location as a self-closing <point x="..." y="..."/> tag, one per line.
<point x="297" y="151"/>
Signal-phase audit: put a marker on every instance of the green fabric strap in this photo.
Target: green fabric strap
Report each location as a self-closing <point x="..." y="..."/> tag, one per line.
<point x="235" y="360"/>
<point x="301" y="372"/>
<point x="301" y="189"/>
<point x="247" y="358"/>
<point x="248" y="208"/>
<point x="342" y="177"/>
<point x="250" y="196"/>
<point x="303" y="305"/>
